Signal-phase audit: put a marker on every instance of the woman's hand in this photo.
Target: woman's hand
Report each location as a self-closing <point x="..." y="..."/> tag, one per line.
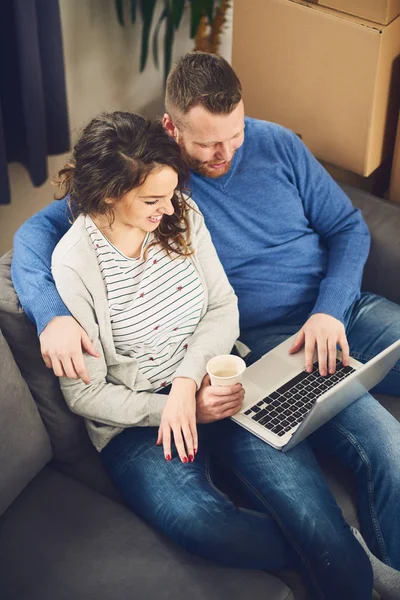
<point x="179" y="417"/>
<point x="217" y="402"/>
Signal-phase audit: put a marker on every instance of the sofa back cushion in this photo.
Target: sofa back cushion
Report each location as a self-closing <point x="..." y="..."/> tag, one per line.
<point x="67" y="432"/>
<point x="24" y="445"/>
<point x="381" y="273"/>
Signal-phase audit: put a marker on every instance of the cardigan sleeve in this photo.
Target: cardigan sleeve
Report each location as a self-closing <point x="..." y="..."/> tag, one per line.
<point x="104" y="399"/>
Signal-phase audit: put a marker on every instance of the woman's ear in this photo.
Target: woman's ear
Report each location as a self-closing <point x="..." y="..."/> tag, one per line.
<point x="169" y="126"/>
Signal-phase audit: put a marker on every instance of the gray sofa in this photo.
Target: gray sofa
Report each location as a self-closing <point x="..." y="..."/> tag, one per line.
<point x="64" y="532"/>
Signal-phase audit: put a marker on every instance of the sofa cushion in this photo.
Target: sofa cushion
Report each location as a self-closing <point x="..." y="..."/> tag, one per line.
<point x="24" y="444"/>
<point x="66" y="430"/>
<point x="61" y="540"/>
<point x="381" y="273"/>
<point x="89" y="471"/>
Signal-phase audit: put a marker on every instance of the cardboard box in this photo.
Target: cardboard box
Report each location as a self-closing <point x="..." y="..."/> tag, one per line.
<point x="379" y="11"/>
<point x="329" y="77"/>
<point x="394" y="191"/>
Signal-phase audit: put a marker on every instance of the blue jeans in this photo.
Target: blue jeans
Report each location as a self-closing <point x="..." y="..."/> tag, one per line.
<point x="294" y="521"/>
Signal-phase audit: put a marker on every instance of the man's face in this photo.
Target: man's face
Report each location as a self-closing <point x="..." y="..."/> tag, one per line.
<point x="210" y="141"/>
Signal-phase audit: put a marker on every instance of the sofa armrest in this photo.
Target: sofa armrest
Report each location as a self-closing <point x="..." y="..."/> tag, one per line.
<point x="382" y="271"/>
<point x="24" y="445"/>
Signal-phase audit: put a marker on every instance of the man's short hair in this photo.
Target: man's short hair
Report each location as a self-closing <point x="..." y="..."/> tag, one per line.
<point x="202" y="79"/>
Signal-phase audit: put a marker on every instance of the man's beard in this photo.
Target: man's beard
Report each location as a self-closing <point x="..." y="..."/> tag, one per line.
<point x="203" y="168"/>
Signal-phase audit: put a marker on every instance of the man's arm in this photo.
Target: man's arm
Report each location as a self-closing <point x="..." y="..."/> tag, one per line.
<point x="341" y="228"/>
<point x="344" y="233"/>
<point x="61" y="337"/>
<point x="34" y="243"/>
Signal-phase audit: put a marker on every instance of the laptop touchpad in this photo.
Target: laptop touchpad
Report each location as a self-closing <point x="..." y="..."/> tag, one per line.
<point x="276" y="367"/>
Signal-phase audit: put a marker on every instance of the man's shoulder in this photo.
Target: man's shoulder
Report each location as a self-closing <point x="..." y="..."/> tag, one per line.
<point x="259" y="128"/>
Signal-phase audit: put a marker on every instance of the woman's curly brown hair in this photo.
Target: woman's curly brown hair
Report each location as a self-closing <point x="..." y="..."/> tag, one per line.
<point x="114" y="154"/>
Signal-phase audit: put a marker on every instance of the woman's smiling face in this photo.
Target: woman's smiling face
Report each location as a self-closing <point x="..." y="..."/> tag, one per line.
<point x="144" y="207"/>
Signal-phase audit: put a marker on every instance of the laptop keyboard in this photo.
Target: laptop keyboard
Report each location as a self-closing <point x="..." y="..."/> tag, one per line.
<point x="286" y="407"/>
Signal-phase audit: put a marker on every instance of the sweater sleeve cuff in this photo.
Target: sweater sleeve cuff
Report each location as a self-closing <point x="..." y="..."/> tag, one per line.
<point x="334" y="299"/>
<point x="195" y="370"/>
<point x="48" y="306"/>
<point x="156" y="406"/>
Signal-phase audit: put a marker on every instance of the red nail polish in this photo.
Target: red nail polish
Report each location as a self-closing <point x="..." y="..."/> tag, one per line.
<point x="185" y="459"/>
<point x="168" y="457"/>
<point x="191" y="458"/>
<point x="195" y="451"/>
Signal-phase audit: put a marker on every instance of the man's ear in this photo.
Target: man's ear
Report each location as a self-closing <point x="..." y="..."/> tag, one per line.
<point x="169" y="126"/>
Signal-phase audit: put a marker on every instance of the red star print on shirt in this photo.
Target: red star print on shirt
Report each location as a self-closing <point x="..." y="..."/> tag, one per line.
<point x="155" y="261"/>
<point x="179" y="288"/>
<point x="156" y="327"/>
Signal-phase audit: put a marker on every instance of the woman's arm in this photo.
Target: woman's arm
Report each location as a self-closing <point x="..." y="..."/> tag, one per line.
<point x="102" y="401"/>
<point x="219" y="328"/>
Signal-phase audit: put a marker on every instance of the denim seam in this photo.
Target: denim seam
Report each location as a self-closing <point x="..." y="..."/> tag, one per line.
<point x="367" y="357"/>
<point x="289" y="595"/>
<point x="210" y="481"/>
<point x="281" y="525"/>
<point x="370" y="487"/>
<point x="226" y="497"/>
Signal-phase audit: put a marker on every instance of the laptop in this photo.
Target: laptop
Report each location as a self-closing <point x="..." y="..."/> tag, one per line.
<point x="284" y="404"/>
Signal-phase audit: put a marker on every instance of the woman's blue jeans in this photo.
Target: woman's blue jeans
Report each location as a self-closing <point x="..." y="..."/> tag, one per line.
<point x="294" y="520"/>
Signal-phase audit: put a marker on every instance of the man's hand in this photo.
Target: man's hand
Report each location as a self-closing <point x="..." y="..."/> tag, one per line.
<point x="325" y="332"/>
<point x="61" y="343"/>
<point x="215" y="402"/>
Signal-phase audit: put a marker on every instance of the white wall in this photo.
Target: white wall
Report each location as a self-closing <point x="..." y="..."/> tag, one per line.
<point x="102" y="73"/>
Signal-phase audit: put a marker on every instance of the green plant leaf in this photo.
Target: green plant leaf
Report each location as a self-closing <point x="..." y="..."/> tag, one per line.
<point x="177" y="12"/>
<point x="157" y="28"/>
<point x="168" y="45"/>
<point x="196" y="12"/>
<point x="133" y="11"/>
<point x="147" y="10"/>
<point x="208" y="6"/>
<point x="119" y="7"/>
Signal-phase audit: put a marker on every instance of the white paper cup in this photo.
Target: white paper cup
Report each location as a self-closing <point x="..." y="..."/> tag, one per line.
<point x="225" y="369"/>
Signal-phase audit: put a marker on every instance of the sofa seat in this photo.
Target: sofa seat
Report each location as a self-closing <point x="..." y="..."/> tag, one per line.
<point x="62" y="540"/>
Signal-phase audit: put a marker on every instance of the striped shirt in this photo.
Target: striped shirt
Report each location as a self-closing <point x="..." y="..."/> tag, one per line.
<point x="155" y="304"/>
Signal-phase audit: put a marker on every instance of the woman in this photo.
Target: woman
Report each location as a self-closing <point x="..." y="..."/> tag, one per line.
<point x="138" y="271"/>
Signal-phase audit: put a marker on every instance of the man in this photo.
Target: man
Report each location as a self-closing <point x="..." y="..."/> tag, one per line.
<point x="294" y="249"/>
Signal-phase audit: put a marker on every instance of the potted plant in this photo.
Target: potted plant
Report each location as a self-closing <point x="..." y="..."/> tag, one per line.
<point x="207" y="18"/>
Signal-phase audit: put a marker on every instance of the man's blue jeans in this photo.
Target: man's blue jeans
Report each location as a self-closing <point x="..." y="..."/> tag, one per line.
<point x="294" y="520"/>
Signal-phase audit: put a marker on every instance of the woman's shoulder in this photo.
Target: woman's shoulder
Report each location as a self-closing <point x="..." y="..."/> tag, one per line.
<point x="195" y="215"/>
<point x="74" y="246"/>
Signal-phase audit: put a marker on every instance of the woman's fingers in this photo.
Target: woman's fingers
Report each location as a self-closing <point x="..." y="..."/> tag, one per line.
<point x="166" y="440"/>
<point x="159" y="436"/>
<point x="184" y="437"/>
<point x="193" y="429"/>
<point x="180" y="446"/>
<point x="188" y="437"/>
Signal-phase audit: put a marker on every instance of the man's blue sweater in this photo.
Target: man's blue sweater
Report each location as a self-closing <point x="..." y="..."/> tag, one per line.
<point x="288" y="237"/>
